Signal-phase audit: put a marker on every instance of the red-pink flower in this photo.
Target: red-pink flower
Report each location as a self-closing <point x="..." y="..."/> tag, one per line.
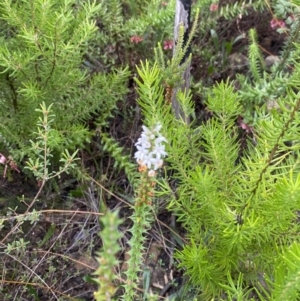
<point x="244" y="126"/>
<point x="136" y="39"/>
<point x="214" y="7"/>
<point x="2" y="159"/>
<point x="277" y="23"/>
<point x="168" y="44"/>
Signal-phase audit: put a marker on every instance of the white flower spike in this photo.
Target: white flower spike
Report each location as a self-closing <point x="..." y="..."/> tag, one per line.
<point x="150" y="150"/>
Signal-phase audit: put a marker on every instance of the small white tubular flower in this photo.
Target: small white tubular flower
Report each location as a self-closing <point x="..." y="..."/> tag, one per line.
<point x="141" y="153"/>
<point x="150" y="148"/>
<point x="160" y="151"/>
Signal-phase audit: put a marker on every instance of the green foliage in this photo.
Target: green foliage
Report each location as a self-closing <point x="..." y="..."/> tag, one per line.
<point x="237" y="200"/>
<point x="107" y="257"/>
<point x="238" y="205"/>
<point x="152" y="17"/>
<point x="142" y="218"/>
<point x="255" y="56"/>
<point x="121" y="21"/>
<point x="262" y="93"/>
<point x="238" y="211"/>
<point x="282" y="8"/>
<point x="235" y="289"/>
<point x="286" y="279"/>
<point x="121" y="160"/>
<point x="42" y="60"/>
<point x="264" y="85"/>
<point x="264" y="82"/>
<point x="233" y="10"/>
<point x="173" y="69"/>
<point x="41" y="152"/>
<point x="151" y="98"/>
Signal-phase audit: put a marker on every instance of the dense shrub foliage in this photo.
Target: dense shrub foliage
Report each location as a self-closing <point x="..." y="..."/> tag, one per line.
<point x="227" y="168"/>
